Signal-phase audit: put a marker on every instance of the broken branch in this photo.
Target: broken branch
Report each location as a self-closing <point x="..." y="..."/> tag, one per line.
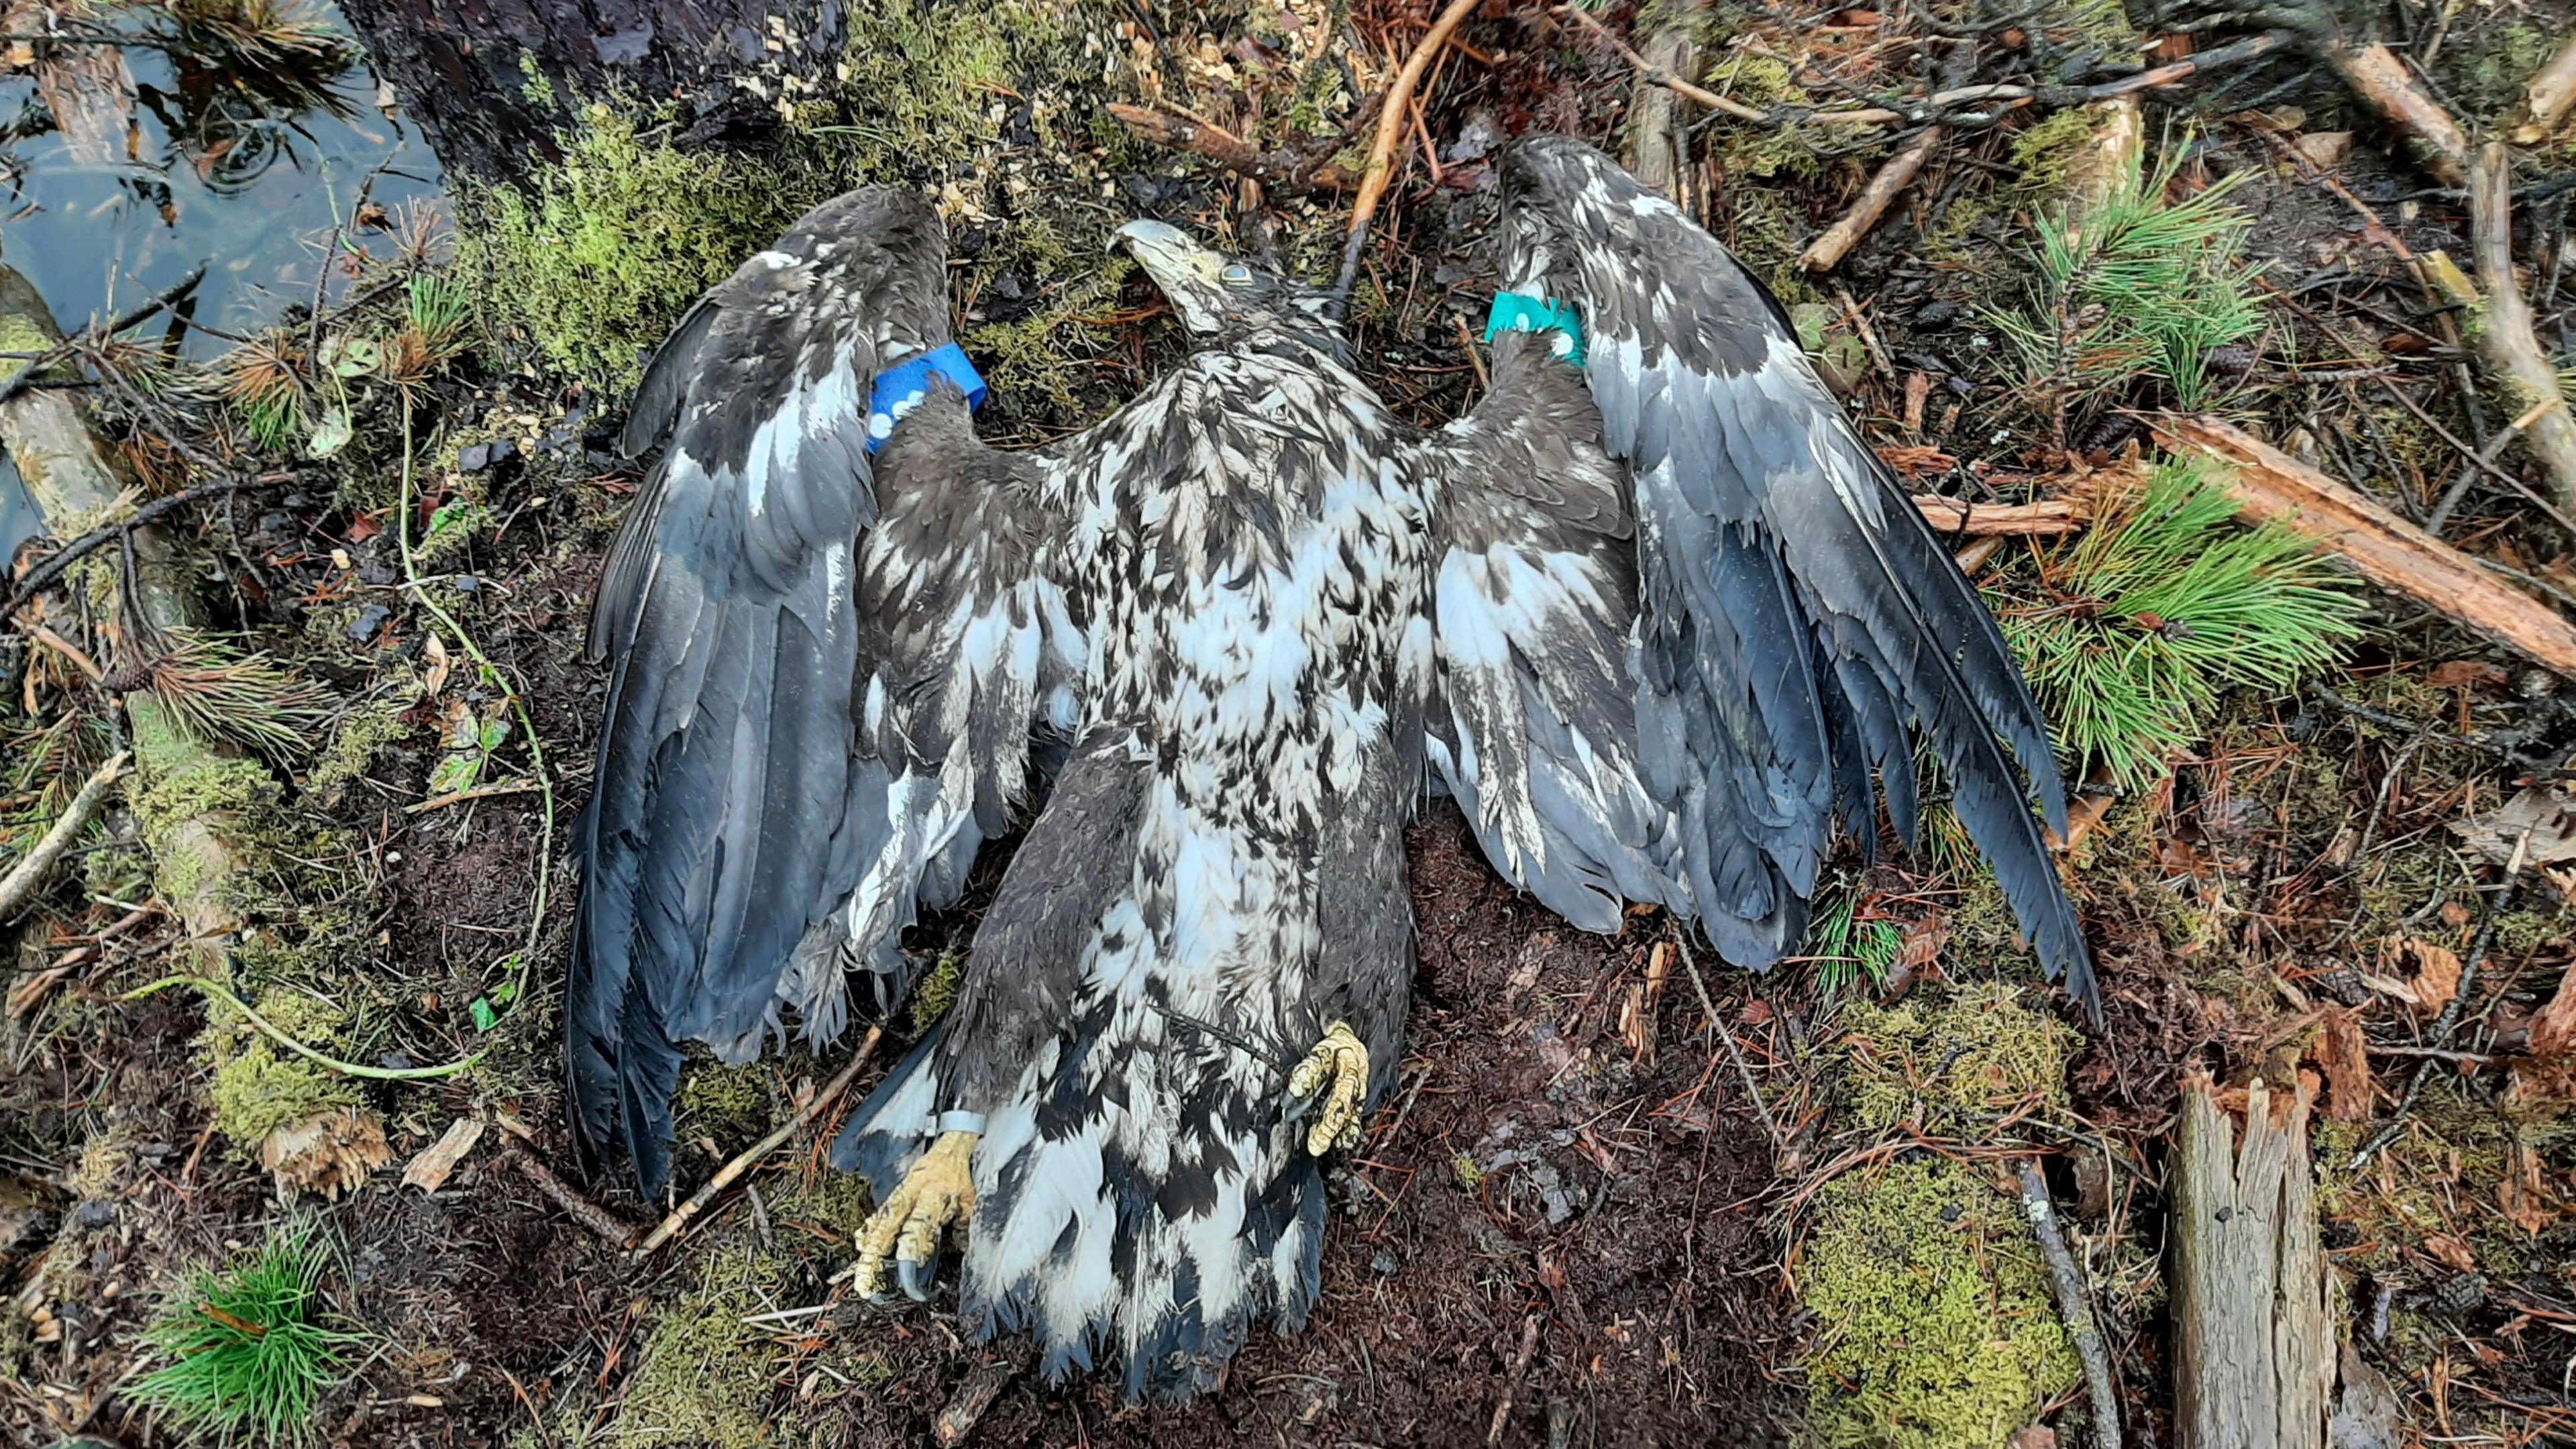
<point x="1829" y="248"/>
<point x="20" y="883"/>
<point x="2547" y="100"/>
<point x="1390" y="135"/>
<point x="2047" y="517"/>
<point x="1282" y="170"/>
<point x="616" y="1230"/>
<point x="2508" y="343"/>
<point x="671" y="1226"/>
<point x="2270" y="485"/>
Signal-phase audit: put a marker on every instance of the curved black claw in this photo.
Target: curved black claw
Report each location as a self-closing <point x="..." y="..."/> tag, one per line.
<point x="918" y="1276"/>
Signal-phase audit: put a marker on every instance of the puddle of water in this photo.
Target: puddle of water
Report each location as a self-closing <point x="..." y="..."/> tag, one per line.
<point x="240" y="166"/>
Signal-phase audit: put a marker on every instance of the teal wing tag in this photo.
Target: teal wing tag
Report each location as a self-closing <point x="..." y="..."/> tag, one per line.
<point x="1517" y="312"/>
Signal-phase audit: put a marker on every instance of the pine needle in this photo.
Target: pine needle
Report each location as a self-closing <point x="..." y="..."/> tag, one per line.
<point x="249" y="1358"/>
<point x="2134" y="284"/>
<point x="2161" y="607"/>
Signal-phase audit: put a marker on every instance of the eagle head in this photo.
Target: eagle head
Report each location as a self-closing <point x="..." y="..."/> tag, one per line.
<point x="1220" y="296"/>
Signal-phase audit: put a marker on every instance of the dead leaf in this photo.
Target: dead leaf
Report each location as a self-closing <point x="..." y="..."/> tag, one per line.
<point x="2451" y="1252"/>
<point x="2535" y="827"/>
<point x="330" y="1154"/>
<point x="2524" y="1194"/>
<point x="2086" y="813"/>
<point x="2553" y="1031"/>
<point x="2034" y="1436"/>
<point x="2467" y="674"/>
<point x="2437" y="974"/>
<point x="1637" y="1025"/>
<point x="429" y="1171"/>
<point x="2346" y="1063"/>
<point x="2324" y="150"/>
<point x="440" y="666"/>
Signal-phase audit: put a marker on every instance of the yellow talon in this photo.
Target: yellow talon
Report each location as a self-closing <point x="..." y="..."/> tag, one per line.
<point x="1339" y="1067"/>
<point x="939" y="1190"/>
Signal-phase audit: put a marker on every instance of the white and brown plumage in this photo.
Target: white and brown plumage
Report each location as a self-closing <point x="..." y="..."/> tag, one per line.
<point x="1653" y="660"/>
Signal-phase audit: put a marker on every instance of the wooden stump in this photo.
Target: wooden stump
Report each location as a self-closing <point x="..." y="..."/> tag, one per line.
<point x="2254" y="1345"/>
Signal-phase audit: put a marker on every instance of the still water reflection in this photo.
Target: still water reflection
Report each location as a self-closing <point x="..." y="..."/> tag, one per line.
<point x="236" y="143"/>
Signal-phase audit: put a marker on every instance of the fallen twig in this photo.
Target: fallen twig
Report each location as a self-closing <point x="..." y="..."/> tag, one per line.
<point x="20" y="883"/>
<point x="1282" y="170"/>
<point x="1512" y="1384"/>
<point x="2045" y="518"/>
<point x="1828" y="249"/>
<point x="2269" y="484"/>
<point x="1743" y="1070"/>
<point x="973" y="1397"/>
<point x="1380" y="172"/>
<point x="616" y="1230"/>
<point x="479" y="792"/>
<point x="2068" y="1280"/>
<point x="2547" y="99"/>
<point x="64" y="350"/>
<point x="671" y="1226"/>
<point x="1936" y="108"/>
<point x="2506" y="341"/>
<point x="2376" y="75"/>
<point x="42" y="576"/>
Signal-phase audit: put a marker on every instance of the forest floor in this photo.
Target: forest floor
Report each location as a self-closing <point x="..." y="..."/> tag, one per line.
<point x="1622" y="1193"/>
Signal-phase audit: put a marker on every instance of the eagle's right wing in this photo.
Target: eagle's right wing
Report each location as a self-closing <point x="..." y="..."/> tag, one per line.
<point x="814" y="712"/>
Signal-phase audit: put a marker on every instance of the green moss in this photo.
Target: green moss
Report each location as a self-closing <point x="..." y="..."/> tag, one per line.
<point x="938" y="989"/>
<point x="711" y="1381"/>
<point x="728" y="1105"/>
<point x="1938" y="1329"/>
<point x="355" y="741"/>
<point x="257" y="1088"/>
<point x="615" y="241"/>
<point x="1952" y="1069"/>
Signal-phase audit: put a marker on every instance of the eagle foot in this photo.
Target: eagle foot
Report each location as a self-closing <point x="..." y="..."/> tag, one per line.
<point x="1337" y="1070"/>
<point x="939" y="1190"/>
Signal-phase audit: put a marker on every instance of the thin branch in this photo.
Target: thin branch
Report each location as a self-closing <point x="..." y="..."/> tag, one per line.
<point x="2068" y="1280"/>
<point x="1390" y="136"/>
<point x="42" y="576"/>
<point x="616" y="1230"/>
<point x="20" y="883"/>
<point x="1830" y="246"/>
<point x="2507" y="342"/>
<point x="680" y="1217"/>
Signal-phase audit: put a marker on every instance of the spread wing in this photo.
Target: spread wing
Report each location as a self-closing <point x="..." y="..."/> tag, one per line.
<point x="1797" y="622"/>
<point x="744" y="794"/>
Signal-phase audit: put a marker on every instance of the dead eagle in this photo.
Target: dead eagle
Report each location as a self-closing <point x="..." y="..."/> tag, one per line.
<point x="1655" y="635"/>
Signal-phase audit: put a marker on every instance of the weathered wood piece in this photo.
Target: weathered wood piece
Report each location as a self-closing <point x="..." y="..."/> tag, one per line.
<point x="2254" y="1345"/>
<point x="2269" y="484"/>
<point x="2507" y="339"/>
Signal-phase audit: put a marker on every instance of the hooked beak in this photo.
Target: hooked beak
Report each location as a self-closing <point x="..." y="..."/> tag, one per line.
<point x="1191" y="276"/>
<point x="1169" y="254"/>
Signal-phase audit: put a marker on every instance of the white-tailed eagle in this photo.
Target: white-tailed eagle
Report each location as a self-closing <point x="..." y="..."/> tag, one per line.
<point x="1656" y="617"/>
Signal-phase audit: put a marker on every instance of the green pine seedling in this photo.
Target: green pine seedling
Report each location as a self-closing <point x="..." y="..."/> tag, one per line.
<point x="2162" y="605"/>
<point x="1849" y="950"/>
<point x="2133" y="284"/>
<point x="250" y="1358"/>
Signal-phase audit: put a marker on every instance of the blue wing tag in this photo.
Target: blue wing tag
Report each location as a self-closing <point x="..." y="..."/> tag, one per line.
<point x="1517" y="312"/>
<point x="900" y="388"/>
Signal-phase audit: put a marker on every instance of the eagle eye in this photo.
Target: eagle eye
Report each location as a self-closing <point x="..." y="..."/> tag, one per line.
<point x="1238" y="273"/>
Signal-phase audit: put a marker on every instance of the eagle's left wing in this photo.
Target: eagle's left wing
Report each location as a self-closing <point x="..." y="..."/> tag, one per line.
<point x="1790" y="620"/>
